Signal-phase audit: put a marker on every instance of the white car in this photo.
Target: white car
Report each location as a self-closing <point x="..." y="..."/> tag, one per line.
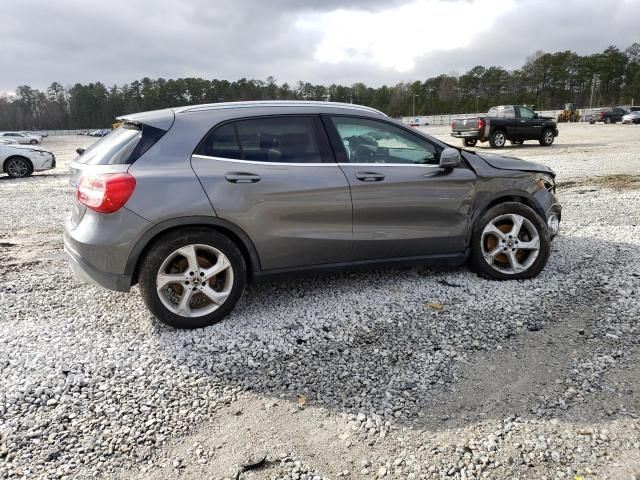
<point x="37" y="135"/>
<point x="20" y="161"/>
<point x="22" y="138"/>
<point x="631" y="117"/>
<point x="7" y="141"/>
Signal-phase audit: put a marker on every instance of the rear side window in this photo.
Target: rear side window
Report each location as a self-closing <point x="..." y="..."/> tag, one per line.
<point x="123" y="145"/>
<point x="269" y="139"/>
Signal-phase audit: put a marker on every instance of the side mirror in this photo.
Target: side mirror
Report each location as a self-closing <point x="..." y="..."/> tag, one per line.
<point x="450" y="158"/>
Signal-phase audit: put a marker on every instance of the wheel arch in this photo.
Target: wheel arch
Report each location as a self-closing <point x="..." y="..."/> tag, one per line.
<point x="232" y="231"/>
<point x="6" y="161"/>
<point x="518" y="196"/>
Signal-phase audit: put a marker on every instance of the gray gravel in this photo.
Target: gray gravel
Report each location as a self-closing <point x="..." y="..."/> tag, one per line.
<point x="532" y="379"/>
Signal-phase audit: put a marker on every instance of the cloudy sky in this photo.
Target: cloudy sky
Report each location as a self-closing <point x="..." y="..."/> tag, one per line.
<point x="323" y="41"/>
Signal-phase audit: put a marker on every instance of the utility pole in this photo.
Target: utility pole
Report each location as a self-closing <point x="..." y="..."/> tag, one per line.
<point x="414" y="104"/>
<point x="593" y="84"/>
<point x="477" y="97"/>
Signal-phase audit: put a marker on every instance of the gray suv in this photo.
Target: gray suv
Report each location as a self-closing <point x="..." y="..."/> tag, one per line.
<point x="191" y="203"/>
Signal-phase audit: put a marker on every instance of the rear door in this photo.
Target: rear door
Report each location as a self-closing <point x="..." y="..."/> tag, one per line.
<point x="276" y="179"/>
<point x="404" y="205"/>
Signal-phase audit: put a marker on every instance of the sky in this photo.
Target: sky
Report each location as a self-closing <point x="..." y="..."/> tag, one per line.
<point x="322" y="41"/>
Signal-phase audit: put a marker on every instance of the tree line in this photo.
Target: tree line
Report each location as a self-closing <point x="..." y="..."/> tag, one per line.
<point x="546" y="80"/>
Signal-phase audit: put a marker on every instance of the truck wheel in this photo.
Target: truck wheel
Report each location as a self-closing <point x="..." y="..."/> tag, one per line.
<point x="468" y="142"/>
<point x="607" y="120"/>
<point x="547" y="138"/>
<point x="498" y="139"/>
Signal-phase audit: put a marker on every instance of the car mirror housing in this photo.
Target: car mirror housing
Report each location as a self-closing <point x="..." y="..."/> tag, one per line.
<point x="450" y="158"/>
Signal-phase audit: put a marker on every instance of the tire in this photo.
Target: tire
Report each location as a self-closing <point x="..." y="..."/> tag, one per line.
<point x="205" y="248"/>
<point x="547" y="138"/>
<point x="498" y="139"/>
<point x="469" y="142"/>
<point x="607" y="120"/>
<point x="34" y="142"/>
<point x="487" y="257"/>
<point x="591" y="122"/>
<point x="18" y="167"/>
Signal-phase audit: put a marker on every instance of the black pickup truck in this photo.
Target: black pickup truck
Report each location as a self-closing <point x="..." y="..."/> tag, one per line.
<point x="506" y="122"/>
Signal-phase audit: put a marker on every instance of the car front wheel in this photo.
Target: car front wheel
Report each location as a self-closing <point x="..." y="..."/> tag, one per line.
<point x="510" y="241"/>
<point x="193" y="279"/>
<point x="19" y="167"/>
<point x="547" y="138"/>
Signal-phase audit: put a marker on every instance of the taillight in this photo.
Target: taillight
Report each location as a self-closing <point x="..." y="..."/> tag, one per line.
<point x="452" y="124"/>
<point x="480" y="123"/>
<point x="107" y="192"/>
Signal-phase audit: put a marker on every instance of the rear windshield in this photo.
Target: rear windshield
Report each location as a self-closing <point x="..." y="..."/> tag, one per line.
<point x="123" y="145"/>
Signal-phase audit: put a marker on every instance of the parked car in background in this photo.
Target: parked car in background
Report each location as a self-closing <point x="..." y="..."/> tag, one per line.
<point x="515" y="123"/>
<point x="22" y="160"/>
<point x="192" y="202"/>
<point x="606" y="115"/>
<point x="35" y="135"/>
<point x="21" y="138"/>
<point x="631" y="117"/>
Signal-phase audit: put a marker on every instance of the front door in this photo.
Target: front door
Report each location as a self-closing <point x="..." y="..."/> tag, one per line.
<point x="274" y="177"/>
<point x="404" y="204"/>
<point x="531" y="127"/>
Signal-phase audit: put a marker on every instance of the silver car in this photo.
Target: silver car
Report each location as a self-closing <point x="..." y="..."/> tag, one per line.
<point x="22" y="160"/>
<point x="192" y="203"/>
<point x="22" y="137"/>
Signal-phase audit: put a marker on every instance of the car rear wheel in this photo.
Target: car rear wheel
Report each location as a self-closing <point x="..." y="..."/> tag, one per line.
<point x="498" y="139"/>
<point x="547" y="138"/>
<point x="192" y="280"/>
<point x="34" y="142"/>
<point x="510" y="241"/>
<point x="18" y="167"/>
<point x="468" y="142"/>
<point x="607" y="120"/>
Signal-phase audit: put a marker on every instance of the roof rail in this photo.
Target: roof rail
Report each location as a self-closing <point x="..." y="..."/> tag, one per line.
<point x="274" y="103"/>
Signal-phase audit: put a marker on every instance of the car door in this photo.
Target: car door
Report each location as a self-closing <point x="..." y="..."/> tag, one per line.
<point x="404" y="204"/>
<point x="276" y="179"/>
<point x="530" y="126"/>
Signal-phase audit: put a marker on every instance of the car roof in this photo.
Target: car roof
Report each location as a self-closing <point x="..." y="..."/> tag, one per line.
<point x="163" y="119"/>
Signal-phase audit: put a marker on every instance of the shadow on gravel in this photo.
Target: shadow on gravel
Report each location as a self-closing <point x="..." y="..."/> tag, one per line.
<point x="378" y="343"/>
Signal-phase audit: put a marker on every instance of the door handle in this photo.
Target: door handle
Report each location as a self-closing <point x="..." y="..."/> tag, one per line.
<point x="369" y="176"/>
<point x="242" y="177"/>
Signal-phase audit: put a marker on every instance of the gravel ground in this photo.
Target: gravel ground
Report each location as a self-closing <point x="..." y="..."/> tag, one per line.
<point x="351" y="376"/>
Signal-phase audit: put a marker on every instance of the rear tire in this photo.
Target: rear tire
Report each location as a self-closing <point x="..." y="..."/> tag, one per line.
<point x="546" y="140"/>
<point x="195" y="289"/>
<point x="498" y="139"/>
<point x="492" y="254"/>
<point x="469" y="142"/>
<point x="18" y="167"/>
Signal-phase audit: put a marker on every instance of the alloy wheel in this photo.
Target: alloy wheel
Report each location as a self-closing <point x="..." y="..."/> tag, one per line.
<point x="194" y="280"/>
<point x="510" y="244"/>
<point x="17" y="168"/>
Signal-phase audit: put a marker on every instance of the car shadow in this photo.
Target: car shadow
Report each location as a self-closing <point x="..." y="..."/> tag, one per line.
<point x="401" y="343"/>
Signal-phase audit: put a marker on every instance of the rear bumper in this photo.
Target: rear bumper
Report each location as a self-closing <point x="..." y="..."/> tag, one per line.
<point x="89" y="274"/>
<point x="474" y="134"/>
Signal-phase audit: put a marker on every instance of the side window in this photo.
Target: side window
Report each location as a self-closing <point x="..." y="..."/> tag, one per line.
<point x="526" y="113"/>
<point x="270" y="139"/>
<point x="370" y="141"/>
<point x="509" y="112"/>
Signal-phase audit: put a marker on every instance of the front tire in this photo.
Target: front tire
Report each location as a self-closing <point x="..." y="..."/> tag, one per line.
<point x="498" y="139"/>
<point x="18" y="167"/>
<point x="193" y="279"/>
<point x="468" y="142"/>
<point x="607" y="120"/>
<point x="510" y="242"/>
<point x="547" y="138"/>
<point x="34" y="142"/>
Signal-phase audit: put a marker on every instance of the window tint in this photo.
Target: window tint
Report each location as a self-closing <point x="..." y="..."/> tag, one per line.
<point x="273" y="139"/>
<point x="526" y="113"/>
<point x="370" y="141"/>
<point x="122" y="145"/>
